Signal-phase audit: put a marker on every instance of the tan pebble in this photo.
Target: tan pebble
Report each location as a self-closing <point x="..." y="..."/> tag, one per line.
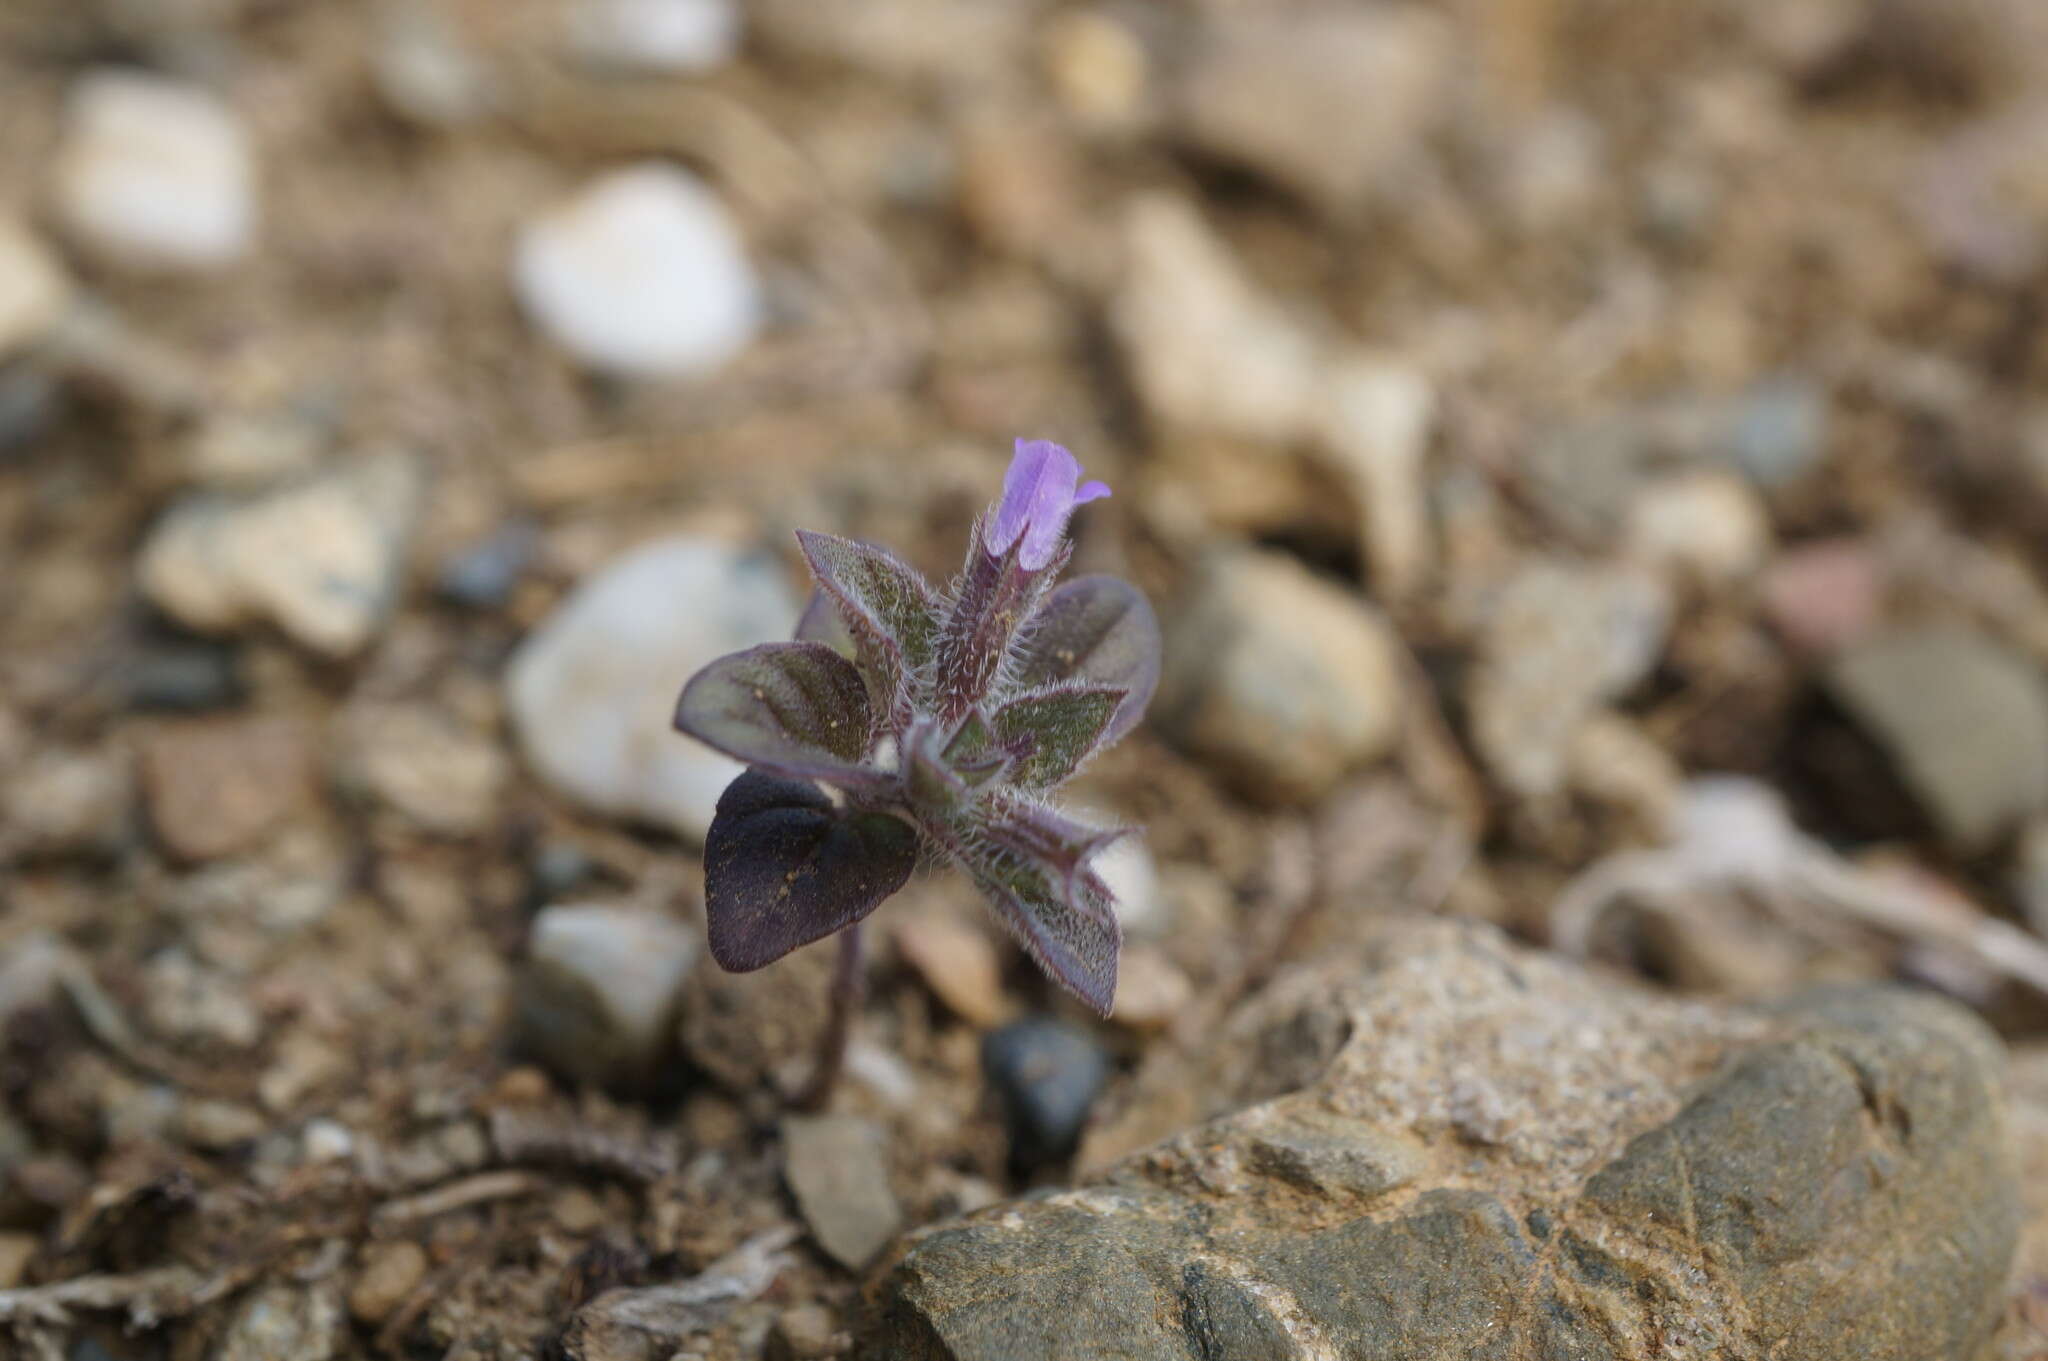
<point x="575" y="1210"/>
<point x="525" y="1085"/>
<point x="1151" y="990"/>
<point x="391" y="1272"/>
<point x="957" y="962"/>
<point x="218" y="787"/>
<point x="16" y="1251"/>
<point x="806" y="1333"/>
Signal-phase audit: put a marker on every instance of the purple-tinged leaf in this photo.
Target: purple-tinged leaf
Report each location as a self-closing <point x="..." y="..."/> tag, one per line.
<point x="784" y="867"/>
<point x="887" y="609"/>
<point x="1050" y="733"/>
<point x="973" y="753"/>
<point x="798" y="709"/>
<point x="1097" y="630"/>
<point x="1031" y="864"/>
<point x="821" y="622"/>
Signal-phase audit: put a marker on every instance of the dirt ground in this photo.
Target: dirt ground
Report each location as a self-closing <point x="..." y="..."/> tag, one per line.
<point x="262" y="1088"/>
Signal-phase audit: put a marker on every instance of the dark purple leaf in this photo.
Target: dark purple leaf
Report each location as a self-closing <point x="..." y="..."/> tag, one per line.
<point x="799" y="709"/>
<point x="1051" y="732"/>
<point x="886" y="608"/>
<point x="783" y="867"/>
<point x="1031" y="864"/>
<point x="1096" y="630"/>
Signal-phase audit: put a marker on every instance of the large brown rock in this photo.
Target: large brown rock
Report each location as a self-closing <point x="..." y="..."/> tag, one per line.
<point x="1463" y="1149"/>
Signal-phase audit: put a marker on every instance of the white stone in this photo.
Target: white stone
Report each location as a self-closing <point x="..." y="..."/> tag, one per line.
<point x="592" y="691"/>
<point x="657" y="35"/>
<point x="1126" y="867"/>
<point x="1707" y="526"/>
<point x="1377" y="429"/>
<point x="600" y="993"/>
<point x="642" y="274"/>
<point x="154" y="173"/>
<point x="321" y="559"/>
<point x="34" y="290"/>
<point x="1206" y="350"/>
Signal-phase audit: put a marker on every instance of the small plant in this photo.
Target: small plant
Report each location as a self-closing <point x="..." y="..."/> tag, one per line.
<point x="941" y="722"/>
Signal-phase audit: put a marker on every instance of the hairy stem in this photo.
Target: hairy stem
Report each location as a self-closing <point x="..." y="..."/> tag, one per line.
<point x="848" y="987"/>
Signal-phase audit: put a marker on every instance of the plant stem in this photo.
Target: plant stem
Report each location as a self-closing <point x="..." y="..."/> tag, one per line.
<point x="848" y="987"/>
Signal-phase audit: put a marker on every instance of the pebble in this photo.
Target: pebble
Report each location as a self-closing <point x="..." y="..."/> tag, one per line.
<point x="1823" y="597"/>
<point x="32" y="968"/>
<point x="1778" y="431"/>
<point x="437" y="773"/>
<point x="1206" y="351"/>
<point x="642" y="274"/>
<point x="1561" y="640"/>
<point x="1283" y="681"/>
<point x="17" y="1250"/>
<point x="598" y="1002"/>
<point x="1151" y="990"/>
<point x="1705" y="527"/>
<point x="187" y="1000"/>
<point x="1377" y="431"/>
<point x="218" y="1126"/>
<point x="1046" y="1075"/>
<point x="279" y="1320"/>
<point x="1097" y="67"/>
<point x="656" y="35"/>
<point x="155" y="174"/>
<point x="390" y="1272"/>
<point x="958" y="962"/>
<point x="592" y="690"/>
<point x="327" y="1141"/>
<point x="249" y="450"/>
<point x="1127" y="869"/>
<point x="214" y="787"/>
<point x="424" y="72"/>
<point x="34" y="290"/>
<point x="66" y="802"/>
<point x="809" y="1332"/>
<point x="1964" y="720"/>
<point x="836" y="1168"/>
<point x="322" y="559"/>
<point x="1332" y="102"/>
<point x="761" y="1028"/>
<point x="483" y="576"/>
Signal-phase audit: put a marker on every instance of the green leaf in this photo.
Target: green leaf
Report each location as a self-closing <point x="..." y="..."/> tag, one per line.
<point x="1096" y="631"/>
<point x="784" y="867"/>
<point x="1051" y="732"/>
<point x="888" y="611"/>
<point x="798" y="709"/>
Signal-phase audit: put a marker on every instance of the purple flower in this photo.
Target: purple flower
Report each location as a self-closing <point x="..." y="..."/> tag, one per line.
<point x="1038" y="496"/>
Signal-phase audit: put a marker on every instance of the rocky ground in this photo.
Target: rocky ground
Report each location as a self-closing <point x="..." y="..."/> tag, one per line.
<point x="1591" y="460"/>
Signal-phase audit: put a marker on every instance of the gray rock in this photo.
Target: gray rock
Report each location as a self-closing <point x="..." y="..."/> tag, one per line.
<point x="1778" y="430"/>
<point x="1284" y="682"/>
<point x="1964" y="719"/>
<point x="482" y="576"/>
<point x="837" y="1169"/>
<point x="592" y="691"/>
<point x="34" y="290"/>
<point x="1331" y="103"/>
<point x="599" y="997"/>
<point x="1470" y="1150"/>
<point x="62" y="802"/>
<point x="183" y="678"/>
<point x="1561" y="640"/>
<point x="433" y="770"/>
<point x="321" y="559"/>
<point x="1046" y="1075"/>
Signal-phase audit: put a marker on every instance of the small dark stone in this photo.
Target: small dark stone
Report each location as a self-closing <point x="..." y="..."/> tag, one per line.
<point x="185" y="678"/>
<point x="482" y="576"/>
<point x="1047" y="1075"/>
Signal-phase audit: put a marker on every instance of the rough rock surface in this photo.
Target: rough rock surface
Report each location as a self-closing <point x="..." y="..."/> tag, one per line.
<point x="1471" y="1150"/>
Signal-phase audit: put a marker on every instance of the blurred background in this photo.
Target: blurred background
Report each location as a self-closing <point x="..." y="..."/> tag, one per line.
<point x="1590" y="459"/>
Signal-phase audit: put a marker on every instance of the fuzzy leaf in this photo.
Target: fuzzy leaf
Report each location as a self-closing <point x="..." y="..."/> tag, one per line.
<point x="1100" y="631"/>
<point x="784" y="867"/>
<point x="799" y="709"/>
<point x="821" y="622"/>
<point x="887" y="609"/>
<point x="1031" y="864"/>
<point x="1051" y="732"/>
